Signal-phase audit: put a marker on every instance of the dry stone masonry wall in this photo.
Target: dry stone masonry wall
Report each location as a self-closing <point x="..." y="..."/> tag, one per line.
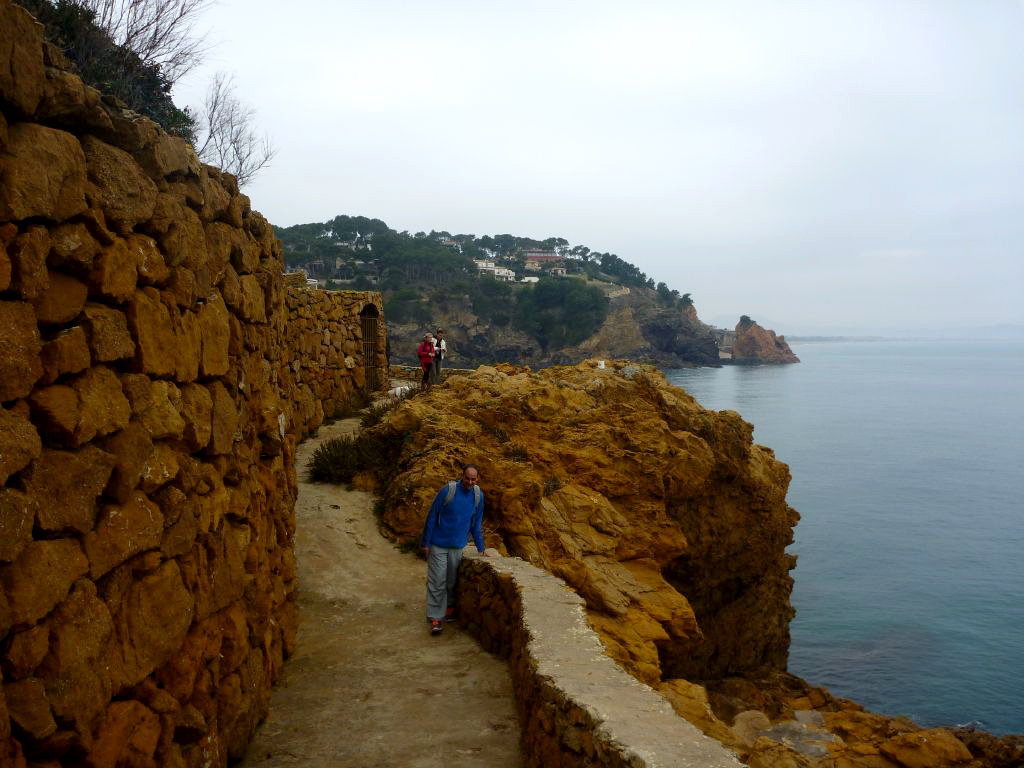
<point x="155" y="376"/>
<point x="577" y="708"/>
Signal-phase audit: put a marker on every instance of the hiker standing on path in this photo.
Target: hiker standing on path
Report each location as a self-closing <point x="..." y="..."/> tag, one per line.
<point x="457" y="511"/>
<point x="441" y="352"/>
<point x="425" y="351"/>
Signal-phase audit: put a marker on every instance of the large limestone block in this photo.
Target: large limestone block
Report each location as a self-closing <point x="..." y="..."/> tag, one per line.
<point x="115" y="271"/>
<point x="151" y="326"/>
<point x="131" y="447"/>
<point x="28" y="253"/>
<point x="29" y="707"/>
<point x="17" y="513"/>
<point x="122" y="531"/>
<point x="221" y="241"/>
<point x="168" y="156"/>
<point x="67" y="352"/>
<point x="153" y="268"/>
<point x="152" y="623"/>
<point x="224" y="419"/>
<point x="91" y="405"/>
<point x="156" y="405"/>
<point x="5" y="260"/>
<point x="74" y="670"/>
<point x="72" y="247"/>
<point x="61" y="300"/>
<point x="19" y="443"/>
<point x="167" y="343"/>
<point x="197" y="411"/>
<point x="41" y="577"/>
<point x="126" y="194"/>
<point x="215" y="331"/>
<point x="70" y="103"/>
<point x="66" y="484"/>
<point x="109" y="338"/>
<point x="20" y="365"/>
<point x="21" y="59"/>
<point x="184" y="242"/>
<point x="160" y="468"/>
<point x="26" y="650"/>
<point x="253" y="299"/>
<point x="128" y="734"/>
<point x="42" y="174"/>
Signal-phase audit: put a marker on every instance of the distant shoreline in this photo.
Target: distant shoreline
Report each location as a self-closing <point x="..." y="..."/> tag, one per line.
<point x="931" y="339"/>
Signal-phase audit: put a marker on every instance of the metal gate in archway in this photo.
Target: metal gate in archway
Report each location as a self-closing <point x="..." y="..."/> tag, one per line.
<point x="369" y="318"/>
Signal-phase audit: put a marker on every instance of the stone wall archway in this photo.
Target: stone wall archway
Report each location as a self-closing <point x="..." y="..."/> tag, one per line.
<point x="369" y="318"/>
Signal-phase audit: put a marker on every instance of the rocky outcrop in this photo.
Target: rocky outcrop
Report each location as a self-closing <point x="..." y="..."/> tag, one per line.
<point x="671" y="525"/>
<point x="755" y="344"/>
<point x="667" y="519"/>
<point x="637" y="328"/>
<point x="154" y="380"/>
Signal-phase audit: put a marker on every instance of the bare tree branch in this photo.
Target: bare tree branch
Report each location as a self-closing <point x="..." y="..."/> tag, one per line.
<point x="227" y="136"/>
<point x="159" y="33"/>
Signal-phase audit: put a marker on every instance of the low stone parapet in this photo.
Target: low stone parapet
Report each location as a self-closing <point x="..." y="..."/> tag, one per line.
<point x="576" y="706"/>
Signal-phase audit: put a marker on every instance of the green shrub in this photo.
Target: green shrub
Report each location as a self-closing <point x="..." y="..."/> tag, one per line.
<point x="340" y="459"/>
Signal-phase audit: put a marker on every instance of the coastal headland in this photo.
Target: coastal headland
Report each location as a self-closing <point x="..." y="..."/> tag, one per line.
<point x="157" y="373"/>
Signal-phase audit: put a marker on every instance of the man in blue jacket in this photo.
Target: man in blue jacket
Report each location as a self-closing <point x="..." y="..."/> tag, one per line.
<point x="457" y="511"/>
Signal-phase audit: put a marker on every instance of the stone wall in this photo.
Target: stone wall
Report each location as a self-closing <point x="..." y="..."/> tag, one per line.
<point x="324" y="334"/>
<point x="153" y="386"/>
<point x="576" y="706"/>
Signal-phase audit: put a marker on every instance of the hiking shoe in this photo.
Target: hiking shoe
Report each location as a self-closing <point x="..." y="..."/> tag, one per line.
<point x="449" y="615"/>
<point x="436" y="626"/>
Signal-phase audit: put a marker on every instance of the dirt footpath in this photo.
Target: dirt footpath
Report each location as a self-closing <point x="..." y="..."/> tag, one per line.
<point x="368" y="685"/>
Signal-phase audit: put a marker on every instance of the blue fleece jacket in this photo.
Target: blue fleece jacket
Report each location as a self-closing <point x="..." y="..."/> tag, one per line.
<point x="449" y="525"/>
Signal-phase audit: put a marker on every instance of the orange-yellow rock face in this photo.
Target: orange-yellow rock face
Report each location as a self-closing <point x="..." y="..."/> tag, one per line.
<point x="665" y="517"/>
<point x="755" y="344"/>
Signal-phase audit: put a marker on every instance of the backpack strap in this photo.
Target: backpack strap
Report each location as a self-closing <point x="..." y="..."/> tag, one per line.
<point x="453" y="484"/>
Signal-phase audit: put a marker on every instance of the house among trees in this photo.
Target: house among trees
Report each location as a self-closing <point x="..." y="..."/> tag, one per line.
<point x="541" y="257"/>
<point x="485" y="267"/>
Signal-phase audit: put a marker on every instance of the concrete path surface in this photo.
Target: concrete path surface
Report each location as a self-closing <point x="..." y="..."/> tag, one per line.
<point x="368" y="685"/>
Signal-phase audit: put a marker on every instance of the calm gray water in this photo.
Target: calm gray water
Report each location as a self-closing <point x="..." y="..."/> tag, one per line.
<point x="908" y="473"/>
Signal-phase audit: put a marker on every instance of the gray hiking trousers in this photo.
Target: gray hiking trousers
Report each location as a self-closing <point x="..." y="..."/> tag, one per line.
<point x="442" y="573"/>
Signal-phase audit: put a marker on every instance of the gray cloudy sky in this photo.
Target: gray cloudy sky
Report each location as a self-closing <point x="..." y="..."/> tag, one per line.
<point x="823" y="166"/>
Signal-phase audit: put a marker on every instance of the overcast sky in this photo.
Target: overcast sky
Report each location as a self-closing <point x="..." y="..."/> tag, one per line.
<point x="824" y="166"/>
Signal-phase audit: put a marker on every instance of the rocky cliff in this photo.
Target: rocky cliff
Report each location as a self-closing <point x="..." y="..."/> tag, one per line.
<point x="672" y="525"/>
<point x="755" y="344"/>
<point x="637" y="328"/>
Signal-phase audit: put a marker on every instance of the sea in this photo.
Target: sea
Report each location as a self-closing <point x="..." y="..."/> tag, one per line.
<point x="908" y="473"/>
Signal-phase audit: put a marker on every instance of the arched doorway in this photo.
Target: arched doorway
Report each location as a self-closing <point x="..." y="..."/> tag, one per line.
<point x="369" y="317"/>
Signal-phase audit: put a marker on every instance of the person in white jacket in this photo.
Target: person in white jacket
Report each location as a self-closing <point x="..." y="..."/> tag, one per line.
<point x="440" y="353"/>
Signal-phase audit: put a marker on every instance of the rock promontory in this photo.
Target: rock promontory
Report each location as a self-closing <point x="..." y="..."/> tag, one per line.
<point x="755" y="344"/>
<point x="672" y="524"/>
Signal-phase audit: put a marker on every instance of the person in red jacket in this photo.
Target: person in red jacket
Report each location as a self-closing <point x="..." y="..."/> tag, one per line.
<point x="425" y="351"/>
